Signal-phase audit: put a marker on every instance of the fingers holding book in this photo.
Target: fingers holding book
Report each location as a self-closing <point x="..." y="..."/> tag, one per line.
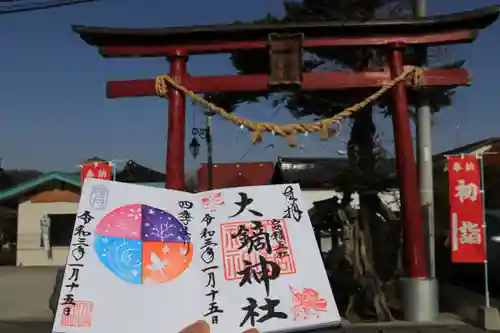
<point x="202" y="326"/>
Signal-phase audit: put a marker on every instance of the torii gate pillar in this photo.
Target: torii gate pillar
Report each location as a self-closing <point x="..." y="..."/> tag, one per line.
<point x="174" y="176"/>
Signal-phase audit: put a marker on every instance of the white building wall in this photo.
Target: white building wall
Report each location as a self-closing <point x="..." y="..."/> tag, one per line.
<point x="29" y="252"/>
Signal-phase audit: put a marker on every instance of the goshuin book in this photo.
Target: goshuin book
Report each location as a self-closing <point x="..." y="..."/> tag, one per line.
<point x="152" y="260"/>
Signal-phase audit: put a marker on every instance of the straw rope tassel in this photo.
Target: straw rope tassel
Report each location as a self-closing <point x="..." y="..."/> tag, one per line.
<point x="323" y="126"/>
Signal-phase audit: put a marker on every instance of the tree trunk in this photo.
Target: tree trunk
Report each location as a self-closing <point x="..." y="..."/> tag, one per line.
<point x="368" y="233"/>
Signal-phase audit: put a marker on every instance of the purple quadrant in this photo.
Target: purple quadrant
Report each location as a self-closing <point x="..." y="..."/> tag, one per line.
<point x="158" y="225"/>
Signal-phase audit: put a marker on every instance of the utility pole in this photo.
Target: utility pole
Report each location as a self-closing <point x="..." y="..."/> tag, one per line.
<point x="421" y="301"/>
<point x="424" y="157"/>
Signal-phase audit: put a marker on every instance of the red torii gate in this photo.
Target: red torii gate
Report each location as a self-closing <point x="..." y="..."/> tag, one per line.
<point x="178" y="43"/>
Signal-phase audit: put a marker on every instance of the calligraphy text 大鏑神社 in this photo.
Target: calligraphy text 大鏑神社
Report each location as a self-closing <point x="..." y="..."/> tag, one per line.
<point x="292" y="209"/>
<point x="79" y="250"/>
<point x="208" y="257"/>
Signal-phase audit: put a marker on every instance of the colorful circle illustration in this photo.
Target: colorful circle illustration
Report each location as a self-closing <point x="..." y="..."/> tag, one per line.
<point x="142" y="244"/>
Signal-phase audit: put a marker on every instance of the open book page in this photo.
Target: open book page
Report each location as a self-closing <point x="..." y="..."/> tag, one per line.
<point x="157" y="260"/>
<point x="130" y="265"/>
<point x="269" y="271"/>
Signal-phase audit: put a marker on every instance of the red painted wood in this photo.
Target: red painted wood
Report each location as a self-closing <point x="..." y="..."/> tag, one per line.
<point x="226" y="175"/>
<point x="416" y="258"/>
<point x="259" y="82"/>
<point x="174" y="164"/>
<point x="436" y="38"/>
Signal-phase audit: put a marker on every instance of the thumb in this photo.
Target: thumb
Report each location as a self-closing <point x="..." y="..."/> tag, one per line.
<point x="251" y="330"/>
<point x="200" y="326"/>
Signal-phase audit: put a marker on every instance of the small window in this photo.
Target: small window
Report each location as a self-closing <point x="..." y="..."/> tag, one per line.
<point x="61" y="229"/>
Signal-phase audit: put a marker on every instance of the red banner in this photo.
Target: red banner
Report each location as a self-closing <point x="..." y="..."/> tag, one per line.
<point x="96" y="170"/>
<point x="466" y="210"/>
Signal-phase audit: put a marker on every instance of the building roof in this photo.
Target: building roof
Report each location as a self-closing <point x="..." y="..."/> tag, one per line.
<point x="105" y="36"/>
<point x="133" y="172"/>
<point x="470" y="148"/>
<point x="309" y="173"/>
<point x="227" y="175"/>
<point x="489" y="148"/>
<point x="26" y="180"/>
<point x="69" y="178"/>
<point x="11" y="178"/>
<point x="94" y="159"/>
<point x="31" y="184"/>
<point x="320" y="173"/>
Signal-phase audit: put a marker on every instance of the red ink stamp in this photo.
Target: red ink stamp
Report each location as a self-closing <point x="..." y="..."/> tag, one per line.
<point x="77" y="315"/>
<point x="213" y="200"/>
<point x="234" y="252"/>
<point x="306" y="303"/>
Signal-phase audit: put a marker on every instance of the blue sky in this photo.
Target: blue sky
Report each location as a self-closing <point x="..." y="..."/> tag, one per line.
<point x="54" y="112"/>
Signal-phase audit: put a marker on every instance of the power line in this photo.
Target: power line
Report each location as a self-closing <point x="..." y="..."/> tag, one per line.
<point x="38" y="5"/>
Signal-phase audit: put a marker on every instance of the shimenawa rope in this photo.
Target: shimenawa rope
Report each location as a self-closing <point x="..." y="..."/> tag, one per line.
<point x="323" y="126"/>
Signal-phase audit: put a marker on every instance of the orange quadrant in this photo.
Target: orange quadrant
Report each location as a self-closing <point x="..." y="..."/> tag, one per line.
<point x="163" y="262"/>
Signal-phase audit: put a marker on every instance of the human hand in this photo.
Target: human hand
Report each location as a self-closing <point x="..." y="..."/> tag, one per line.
<point x="202" y="326"/>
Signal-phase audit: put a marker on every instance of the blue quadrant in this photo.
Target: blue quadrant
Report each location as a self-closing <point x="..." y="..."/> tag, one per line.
<point x="123" y="257"/>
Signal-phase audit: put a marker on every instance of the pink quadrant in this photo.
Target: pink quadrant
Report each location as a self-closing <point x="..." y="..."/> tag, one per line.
<point x="124" y="222"/>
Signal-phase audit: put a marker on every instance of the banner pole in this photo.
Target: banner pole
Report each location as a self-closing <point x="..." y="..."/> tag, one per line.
<point x="485" y="240"/>
<point x="113" y="170"/>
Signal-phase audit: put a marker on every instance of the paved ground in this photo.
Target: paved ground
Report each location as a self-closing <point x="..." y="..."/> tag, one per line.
<point x="24" y="294"/>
